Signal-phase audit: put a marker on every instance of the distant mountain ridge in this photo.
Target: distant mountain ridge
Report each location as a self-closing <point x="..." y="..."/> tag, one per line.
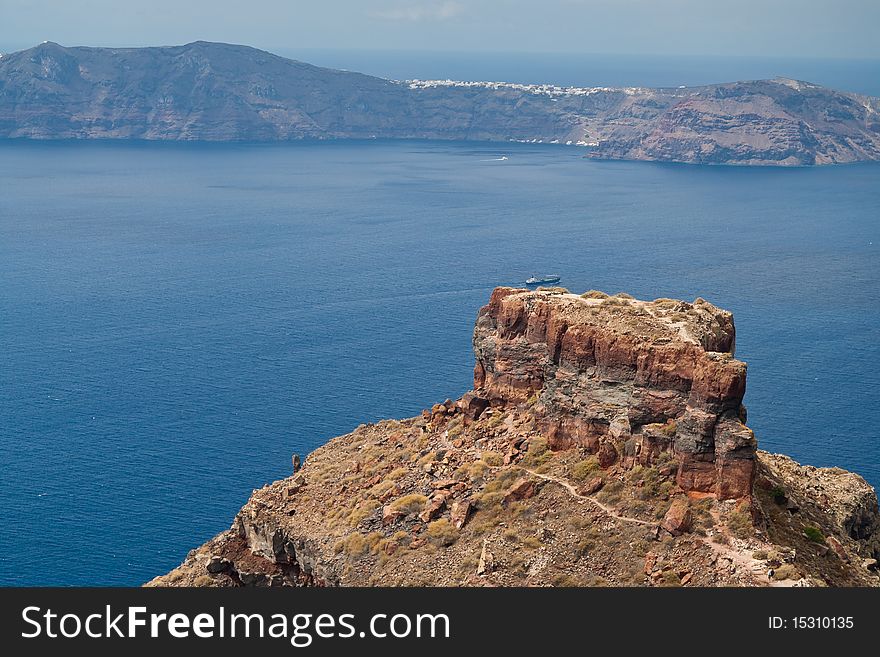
<point x="219" y="92"/>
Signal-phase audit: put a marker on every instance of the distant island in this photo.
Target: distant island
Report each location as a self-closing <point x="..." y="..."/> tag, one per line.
<point x="219" y="92"/>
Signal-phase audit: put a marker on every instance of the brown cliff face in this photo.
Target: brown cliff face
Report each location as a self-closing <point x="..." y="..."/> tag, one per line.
<point x="603" y="443"/>
<point x="625" y="379"/>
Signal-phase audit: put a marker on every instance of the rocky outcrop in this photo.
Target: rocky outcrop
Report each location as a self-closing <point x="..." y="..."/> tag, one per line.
<point x="842" y="501"/>
<point x="603" y="443"/>
<point x="625" y="379"/>
<point x="221" y="92"/>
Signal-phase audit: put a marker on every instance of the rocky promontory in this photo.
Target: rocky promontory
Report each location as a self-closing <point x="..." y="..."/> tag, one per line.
<point x="221" y="92"/>
<point x="604" y="443"/>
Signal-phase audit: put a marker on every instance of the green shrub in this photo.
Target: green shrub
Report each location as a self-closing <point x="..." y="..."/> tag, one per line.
<point x="362" y="511"/>
<point x="739" y="522"/>
<point x="670" y="578"/>
<point x="814" y="534"/>
<point x="669" y="428"/>
<point x="564" y="580"/>
<point x="531" y="542"/>
<point x="779" y="495"/>
<point x="356" y="544"/>
<point x="538" y="452"/>
<point x="488" y="499"/>
<point x="441" y="533"/>
<point x="577" y="522"/>
<point x="511" y="535"/>
<point x="503" y="481"/>
<point x="537" y="446"/>
<point x="409" y="503"/>
<point x="583" y="547"/>
<point x="472" y="471"/>
<point x="611" y="492"/>
<point x="786" y="571"/>
<point x="581" y="470"/>
<point x="382" y="487"/>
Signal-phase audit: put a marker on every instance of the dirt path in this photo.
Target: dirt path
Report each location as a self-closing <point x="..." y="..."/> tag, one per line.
<point x="743" y="562"/>
<point x="573" y="491"/>
<point x="746" y="562"/>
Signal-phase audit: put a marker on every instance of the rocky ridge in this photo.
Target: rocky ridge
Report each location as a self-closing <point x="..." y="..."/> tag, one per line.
<point x="220" y="92"/>
<point x="604" y="443"/>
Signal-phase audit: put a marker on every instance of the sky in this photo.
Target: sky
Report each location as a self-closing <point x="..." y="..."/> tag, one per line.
<point x="787" y="28"/>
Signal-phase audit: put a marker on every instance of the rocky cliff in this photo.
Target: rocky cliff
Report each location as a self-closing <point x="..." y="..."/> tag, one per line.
<point x="220" y="92"/>
<point x="624" y="379"/>
<point x="603" y="444"/>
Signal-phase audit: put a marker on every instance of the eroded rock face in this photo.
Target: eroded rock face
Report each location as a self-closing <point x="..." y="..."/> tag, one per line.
<point x="626" y="379"/>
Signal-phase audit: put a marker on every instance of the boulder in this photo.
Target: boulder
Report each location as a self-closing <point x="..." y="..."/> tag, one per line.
<point x="522" y="489"/>
<point x="472" y="406"/>
<point x="460" y="513"/>
<point x="486" y="564"/>
<point x="391" y="493"/>
<point x="650" y="562"/>
<point x="592" y="486"/>
<point x="678" y="518"/>
<point x="838" y="549"/>
<point x="607" y="454"/>
<point x="218" y="564"/>
<point x="390" y="515"/>
<point x="433" y="507"/>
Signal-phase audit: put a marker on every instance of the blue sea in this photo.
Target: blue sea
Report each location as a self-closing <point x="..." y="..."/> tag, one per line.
<point x="177" y="320"/>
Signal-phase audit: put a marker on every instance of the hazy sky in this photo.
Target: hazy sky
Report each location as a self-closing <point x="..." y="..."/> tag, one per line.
<point x="820" y="28"/>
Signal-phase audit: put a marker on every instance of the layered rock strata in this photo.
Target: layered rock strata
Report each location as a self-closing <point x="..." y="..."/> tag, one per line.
<point x="625" y="379"/>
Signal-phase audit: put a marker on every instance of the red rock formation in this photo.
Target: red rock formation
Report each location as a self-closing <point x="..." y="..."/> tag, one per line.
<point x="417" y="501"/>
<point x="625" y="379"/>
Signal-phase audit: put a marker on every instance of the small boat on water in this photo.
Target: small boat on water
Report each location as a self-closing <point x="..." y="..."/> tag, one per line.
<point x="542" y="280"/>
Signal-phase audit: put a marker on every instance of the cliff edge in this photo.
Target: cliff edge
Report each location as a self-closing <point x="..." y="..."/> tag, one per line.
<point x="604" y="443"/>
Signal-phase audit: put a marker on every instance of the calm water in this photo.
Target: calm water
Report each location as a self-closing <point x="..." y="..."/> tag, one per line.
<point x="177" y="320"/>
